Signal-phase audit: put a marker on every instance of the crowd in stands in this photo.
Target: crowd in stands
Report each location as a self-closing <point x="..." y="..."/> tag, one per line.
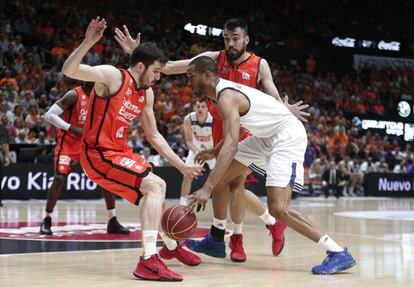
<point x="33" y="49"/>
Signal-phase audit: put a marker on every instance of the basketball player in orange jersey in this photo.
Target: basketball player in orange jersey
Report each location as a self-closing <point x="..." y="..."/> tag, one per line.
<point x="237" y="64"/>
<point x="74" y="107"/>
<point x="119" y="96"/>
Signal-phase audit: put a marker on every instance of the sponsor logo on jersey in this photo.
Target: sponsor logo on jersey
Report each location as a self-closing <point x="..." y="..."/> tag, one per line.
<point x="127" y="162"/>
<point x="245" y="76"/>
<point x="64" y="160"/>
<point x="82" y="116"/>
<point x="120" y="133"/>
<point x="224" y="70"/>
<point x="128" y="110"/>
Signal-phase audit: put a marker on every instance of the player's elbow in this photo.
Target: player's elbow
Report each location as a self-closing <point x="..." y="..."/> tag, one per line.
<point x="67" y="70"/>
<point x="48" y="116"/>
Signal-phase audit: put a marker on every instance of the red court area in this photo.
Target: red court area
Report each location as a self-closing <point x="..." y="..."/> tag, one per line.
<point x="67" y="231"/>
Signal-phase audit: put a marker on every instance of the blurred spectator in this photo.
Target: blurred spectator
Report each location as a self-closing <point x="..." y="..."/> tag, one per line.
<point x="332" y="180"/>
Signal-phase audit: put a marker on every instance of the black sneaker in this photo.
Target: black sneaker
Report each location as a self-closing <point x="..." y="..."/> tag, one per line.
<point x="45" y="227"/>
<point x="115" y="227"/>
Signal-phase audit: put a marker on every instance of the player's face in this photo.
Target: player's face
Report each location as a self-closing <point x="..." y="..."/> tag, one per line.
<point x="195" y="80"/>
<point x="200" y="108"/>
<point x="151" y="75"/>
<point x="235" y="42"/>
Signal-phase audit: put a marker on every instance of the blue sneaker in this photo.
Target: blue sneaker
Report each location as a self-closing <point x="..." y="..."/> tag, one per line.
<point x="335" y="262"/>
<point x="208" y="246"/>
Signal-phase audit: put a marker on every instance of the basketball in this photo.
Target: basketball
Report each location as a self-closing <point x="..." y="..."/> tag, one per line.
<point x="178" y="222"/>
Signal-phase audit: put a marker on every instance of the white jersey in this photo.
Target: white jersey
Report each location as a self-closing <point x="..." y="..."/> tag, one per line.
<point x="202" y="132"/>
<point x="266" y="115"/>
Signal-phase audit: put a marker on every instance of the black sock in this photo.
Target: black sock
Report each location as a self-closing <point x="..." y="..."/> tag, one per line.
<point x="216" y="233"/>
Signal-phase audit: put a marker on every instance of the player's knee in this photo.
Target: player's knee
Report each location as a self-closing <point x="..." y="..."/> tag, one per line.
<point x="278" y="210"/>
<point x="60" y="179"/>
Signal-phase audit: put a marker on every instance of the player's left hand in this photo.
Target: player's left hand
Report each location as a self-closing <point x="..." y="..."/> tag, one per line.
<point x="199" y="197"/>
<point x="297" y="109"/>
<point x="124" y="39"/>
<point x="192" y="171"/>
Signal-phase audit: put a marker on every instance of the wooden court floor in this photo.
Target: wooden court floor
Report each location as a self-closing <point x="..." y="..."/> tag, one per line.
<point x="379" y="232"/>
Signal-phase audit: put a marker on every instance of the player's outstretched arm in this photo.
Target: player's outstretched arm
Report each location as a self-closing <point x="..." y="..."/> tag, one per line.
<point x="269" y="87"/>
<point x="180" y="66"/>
<point x="153" y="136"/>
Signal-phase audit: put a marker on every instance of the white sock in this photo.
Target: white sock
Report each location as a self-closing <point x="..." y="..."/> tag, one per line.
<point x="237" y="228"/>
<point x="48" y="214"/>
<point x="111" y="213"/>
<point x="170" y="243"/>
<point x="149" y="243"/>
<point x="267" y="218"/>
<point x="329" y="244"/>
<point x="220" y="224"/>
<point x="183" y="200"/>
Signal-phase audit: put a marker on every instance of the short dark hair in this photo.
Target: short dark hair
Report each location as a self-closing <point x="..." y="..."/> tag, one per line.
<point x="200" y="100"/>
<point x="233" y="23"/>
<point x="147" y="53"/>
<point x="204" y="64"/>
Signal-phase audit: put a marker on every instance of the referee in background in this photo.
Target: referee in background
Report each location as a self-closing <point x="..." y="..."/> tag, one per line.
<point x="4" y="143"/>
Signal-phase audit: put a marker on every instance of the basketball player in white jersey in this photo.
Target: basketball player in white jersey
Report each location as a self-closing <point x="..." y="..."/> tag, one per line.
<point x="198" y="135"/>
<point x="277" y="147"/>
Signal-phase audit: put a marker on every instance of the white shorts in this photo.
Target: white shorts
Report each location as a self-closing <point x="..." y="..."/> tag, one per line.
<point x="191" y="156"/>
<point x="279" y="157"/>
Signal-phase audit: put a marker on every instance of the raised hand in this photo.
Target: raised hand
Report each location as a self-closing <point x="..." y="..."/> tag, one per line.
<point x="95" y="30"/>
<point x="124" y="39"/>
<point x="297" y="109"/>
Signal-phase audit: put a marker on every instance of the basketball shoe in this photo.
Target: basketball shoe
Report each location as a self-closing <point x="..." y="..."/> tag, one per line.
<point x="156" y="270"/>
<point x="46" y="226"/>
<point x="277" y="231"/>
<point x="335" y="262"/>
<point x="237" y="253"/>
<point x="114" y="226"/>
<point x="208" y="246"/>
<point x="182" y="255"/>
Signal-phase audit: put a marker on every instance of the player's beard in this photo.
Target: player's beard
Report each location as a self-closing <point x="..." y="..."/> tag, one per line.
<point x="144" y="82"/>
<point x="233" y="54"/>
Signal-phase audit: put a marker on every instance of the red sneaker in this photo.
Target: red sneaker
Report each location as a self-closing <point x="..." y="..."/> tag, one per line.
<point x="277" y="231"/>
<point x="236" y="245"/>
<point x="182" y="255"/>
<point x="156" y="270"/>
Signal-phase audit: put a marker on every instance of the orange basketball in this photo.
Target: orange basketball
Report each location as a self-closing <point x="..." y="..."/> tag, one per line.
<point x="178" y="222"/>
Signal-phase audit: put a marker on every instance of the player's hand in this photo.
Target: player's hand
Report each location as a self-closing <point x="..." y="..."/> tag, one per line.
<point x="297" y="109"/>
<point x="199" y="198"/>
<point x="205" y="155"/>
<point x="192" y="171"/>
<point x="95" y="30"/>
<point x="124" y="39"/>
<point x="76" y="131"/>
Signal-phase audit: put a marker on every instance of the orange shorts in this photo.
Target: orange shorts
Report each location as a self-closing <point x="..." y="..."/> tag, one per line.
<point x="65" y="155"/>
<point x="119" y="172"/>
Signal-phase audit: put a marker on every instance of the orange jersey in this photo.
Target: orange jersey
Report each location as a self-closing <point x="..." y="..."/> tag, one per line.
<point x="246" y="73"/>
<point x="68" y="144"/>
<point x="109" y="119"/>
